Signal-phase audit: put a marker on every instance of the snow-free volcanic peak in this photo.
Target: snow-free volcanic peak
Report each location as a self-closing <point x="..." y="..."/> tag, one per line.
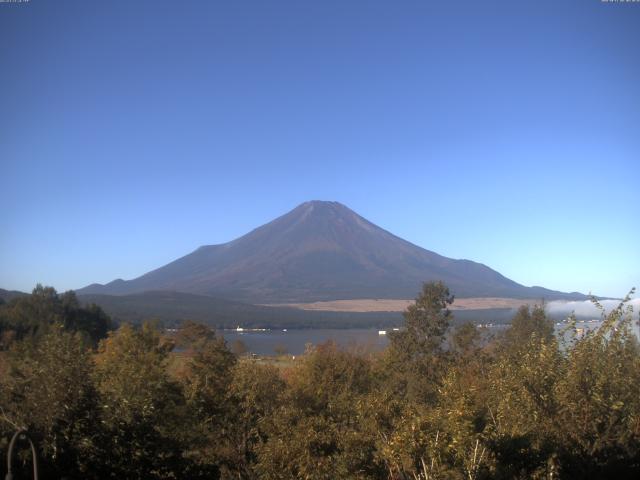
<point x="320" y="251"/>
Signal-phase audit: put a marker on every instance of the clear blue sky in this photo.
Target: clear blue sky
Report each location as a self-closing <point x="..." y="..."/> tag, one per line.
<point x="506" y="132"/>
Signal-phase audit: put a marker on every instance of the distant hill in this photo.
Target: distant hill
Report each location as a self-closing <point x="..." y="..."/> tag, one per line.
<point x="174" y="307"/>
<point x="8" y="295"/>
<point x="320" y="251"/>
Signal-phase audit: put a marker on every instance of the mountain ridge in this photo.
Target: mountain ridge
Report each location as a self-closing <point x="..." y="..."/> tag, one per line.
<point x="320" y="251"/>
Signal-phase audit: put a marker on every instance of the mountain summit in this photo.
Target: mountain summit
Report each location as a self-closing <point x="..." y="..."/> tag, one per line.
<point x="320" y="251"/>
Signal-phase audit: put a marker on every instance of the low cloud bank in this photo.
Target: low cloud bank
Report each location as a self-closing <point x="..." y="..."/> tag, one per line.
<point x="587" y="308"/>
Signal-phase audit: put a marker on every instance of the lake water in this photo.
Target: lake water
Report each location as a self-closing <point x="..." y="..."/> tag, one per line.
<point x="294" y="341"/>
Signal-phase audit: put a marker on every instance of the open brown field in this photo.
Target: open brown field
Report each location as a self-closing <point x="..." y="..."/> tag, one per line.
<point x="398" y="305"/>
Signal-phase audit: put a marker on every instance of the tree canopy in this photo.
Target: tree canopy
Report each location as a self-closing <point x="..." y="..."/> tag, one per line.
<point x="438" y="403"/>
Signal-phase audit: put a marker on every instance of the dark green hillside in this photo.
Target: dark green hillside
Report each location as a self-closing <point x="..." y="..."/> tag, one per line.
<point x="174" y="307"/>
<point x="32" y="315"/>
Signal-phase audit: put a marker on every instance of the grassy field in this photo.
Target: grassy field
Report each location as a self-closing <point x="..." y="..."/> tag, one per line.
<point x="399" y="305"/>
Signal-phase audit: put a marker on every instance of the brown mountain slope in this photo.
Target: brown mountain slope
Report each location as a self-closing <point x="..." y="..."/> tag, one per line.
<point x="320" y="251"/>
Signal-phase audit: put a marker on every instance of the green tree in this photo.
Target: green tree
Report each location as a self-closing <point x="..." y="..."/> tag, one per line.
<point x="317" y="432"/>
<point x="32" y="315"/>
<point x="206" y="388"/>
<point x="416" y="361"/>
<point x="192" y="335"/>
<point x="598" y="422"/>
<point x="255" y="393"/>
<point x="48" y="391"/>
<point x="522" y="408"/>
<point x="466" y="341"/>
<point x="526" y="323"/>
<point x="142" y="408"/>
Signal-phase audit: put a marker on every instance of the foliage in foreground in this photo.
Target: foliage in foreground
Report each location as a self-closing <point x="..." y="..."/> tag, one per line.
<point x="436" y="404"/>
